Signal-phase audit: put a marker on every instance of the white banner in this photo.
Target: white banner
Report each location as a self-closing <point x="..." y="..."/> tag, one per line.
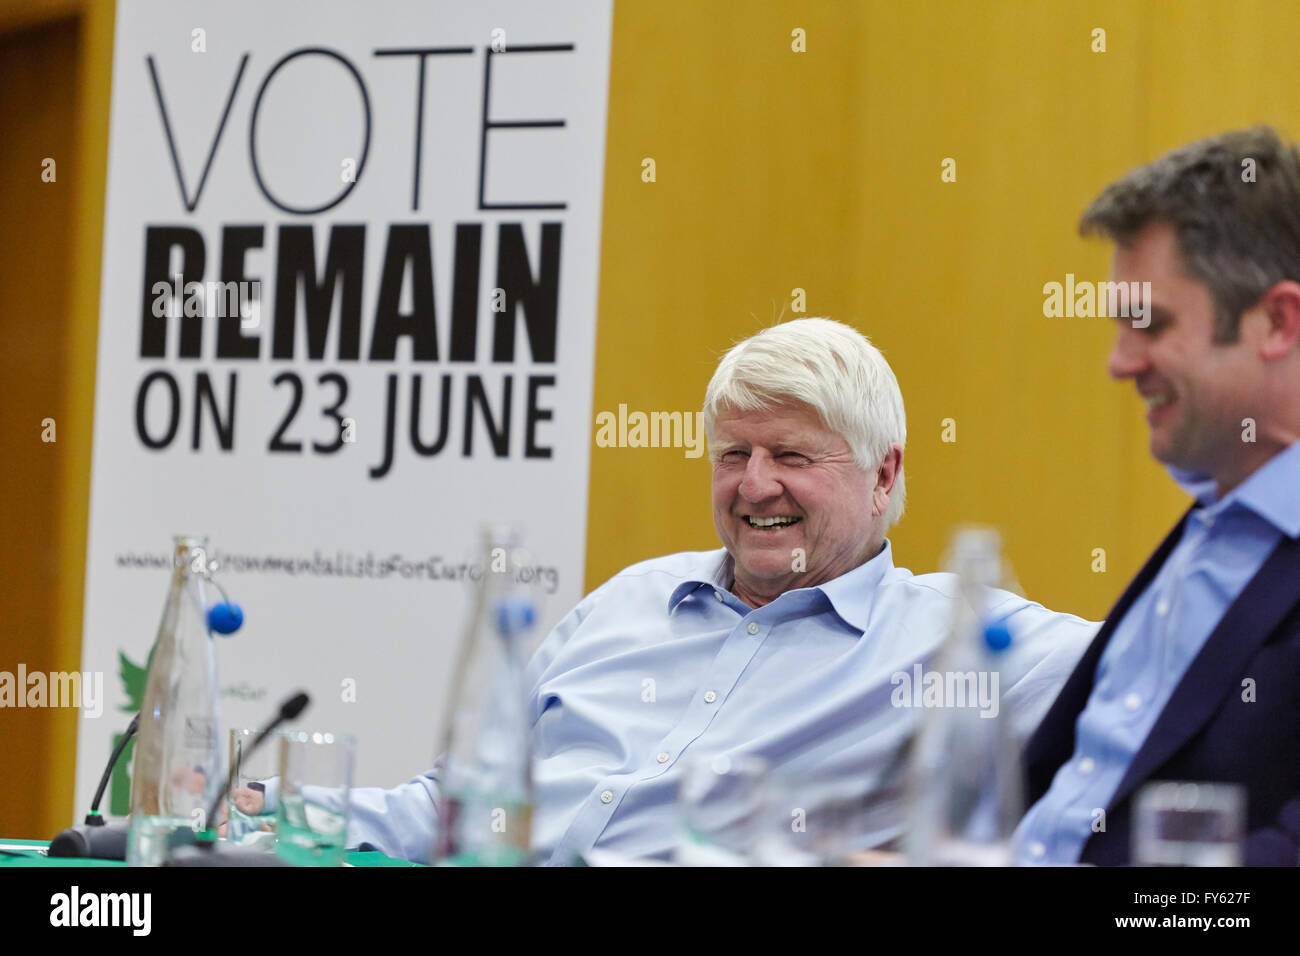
<point x="348" y="313"/>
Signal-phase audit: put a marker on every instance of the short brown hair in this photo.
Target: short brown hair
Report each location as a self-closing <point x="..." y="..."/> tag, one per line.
<point x="1239" y="235"/>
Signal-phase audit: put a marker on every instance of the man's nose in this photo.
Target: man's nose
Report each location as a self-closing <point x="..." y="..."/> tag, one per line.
<point x="760" y="481"/>
<point x="1128" y="357"/>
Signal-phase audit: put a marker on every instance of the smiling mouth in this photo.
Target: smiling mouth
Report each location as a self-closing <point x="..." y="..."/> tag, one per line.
<point x="775" y="523"/>
<point x="1157" y="408"/>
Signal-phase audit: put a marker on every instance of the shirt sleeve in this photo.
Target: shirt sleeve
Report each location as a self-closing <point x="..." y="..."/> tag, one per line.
<point x="552" y="646"/>
<point x="1045" y="648"/>
<point x="401" y="822"/>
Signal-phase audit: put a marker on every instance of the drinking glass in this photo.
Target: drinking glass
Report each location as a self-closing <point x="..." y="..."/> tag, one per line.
<point x="250" y="817"/>
<point x="1189" y="824"/>
<point x="315" y="780"/>
<point x="805" y="822"/>
<point x="719" y="802"/>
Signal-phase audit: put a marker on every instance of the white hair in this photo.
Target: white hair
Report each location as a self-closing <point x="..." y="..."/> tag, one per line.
<point x="829" y="366"/>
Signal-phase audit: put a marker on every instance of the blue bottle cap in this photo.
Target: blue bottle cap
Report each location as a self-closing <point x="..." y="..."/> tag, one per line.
<point x="225" y="618"/>
<point x="997" y="637"/>
<point x="515" y="615"/>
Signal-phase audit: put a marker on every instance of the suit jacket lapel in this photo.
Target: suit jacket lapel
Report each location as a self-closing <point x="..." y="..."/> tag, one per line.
<point x="1053" y="743"/>
<point x="1270" y="595"/>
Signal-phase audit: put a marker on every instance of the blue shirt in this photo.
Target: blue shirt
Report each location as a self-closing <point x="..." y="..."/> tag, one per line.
<point x="662" y="664"/>
<point x="1223" y="545"/>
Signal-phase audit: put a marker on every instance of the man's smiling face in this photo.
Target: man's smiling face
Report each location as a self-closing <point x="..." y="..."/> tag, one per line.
<point x="785" y="464"/>
<point x="1197" y="391"/>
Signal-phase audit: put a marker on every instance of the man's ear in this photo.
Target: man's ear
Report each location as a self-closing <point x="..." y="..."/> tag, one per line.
<point x="886" y="476"/>
<point x="1281" y="307"/>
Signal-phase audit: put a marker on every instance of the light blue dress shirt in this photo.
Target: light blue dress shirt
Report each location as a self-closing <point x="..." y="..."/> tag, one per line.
<point x="662" y="665"/>
<point x="1223" y="545"/>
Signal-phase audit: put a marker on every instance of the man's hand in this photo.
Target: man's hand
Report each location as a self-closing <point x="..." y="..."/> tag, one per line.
<point x="247" y="801"/>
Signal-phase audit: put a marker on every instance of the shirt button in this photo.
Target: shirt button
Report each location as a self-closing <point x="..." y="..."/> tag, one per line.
<point x="663" y="757"/>
<point x="753" y="628"/>
<point x="1162" y="607"/>
<point x="718" y="595"/>
<point x="710" y="697"/>
<point x="607" y="796"/>
<point x="1037" y="850"/>
<point x="1132" y="701"/>
<point x="1086" y="765"/>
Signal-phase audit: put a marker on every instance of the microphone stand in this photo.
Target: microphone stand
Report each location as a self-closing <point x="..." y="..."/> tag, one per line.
<point x="94" y="839"/>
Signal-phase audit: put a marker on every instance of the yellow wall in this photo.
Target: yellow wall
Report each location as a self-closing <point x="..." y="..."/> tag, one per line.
<point x="54" y="78"/>
<point x="779" y="170"/>
<point x="36" y="226"/>
<point x="821" y="170"/>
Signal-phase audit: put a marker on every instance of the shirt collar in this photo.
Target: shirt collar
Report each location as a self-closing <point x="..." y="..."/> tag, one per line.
<point x="1196" y="483"/>
<point x="712" y="570"/>
<point x="851" y="594"/>
<point x="1271" y="492"/>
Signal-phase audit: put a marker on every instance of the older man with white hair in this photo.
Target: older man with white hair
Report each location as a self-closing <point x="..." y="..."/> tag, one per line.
<point x="783" y="645"/>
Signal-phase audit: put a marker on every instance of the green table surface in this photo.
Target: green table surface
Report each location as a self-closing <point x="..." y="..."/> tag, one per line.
<point x="33" y="857"/>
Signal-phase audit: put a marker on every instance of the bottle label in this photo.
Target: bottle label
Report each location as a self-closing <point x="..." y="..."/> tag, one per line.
<point x="199" y="731"/>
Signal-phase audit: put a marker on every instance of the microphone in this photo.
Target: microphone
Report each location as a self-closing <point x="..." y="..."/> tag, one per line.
<point x="94" y="838"/>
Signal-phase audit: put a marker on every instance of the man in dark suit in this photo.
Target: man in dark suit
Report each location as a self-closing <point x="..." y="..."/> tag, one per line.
<point x="1195" y="675"/>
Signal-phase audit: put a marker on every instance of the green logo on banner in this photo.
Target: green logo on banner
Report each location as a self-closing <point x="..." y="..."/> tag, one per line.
<point x="133" y="680"/>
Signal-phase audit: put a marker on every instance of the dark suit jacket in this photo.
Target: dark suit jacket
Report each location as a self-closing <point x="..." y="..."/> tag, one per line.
<point x="1206" y="732"/>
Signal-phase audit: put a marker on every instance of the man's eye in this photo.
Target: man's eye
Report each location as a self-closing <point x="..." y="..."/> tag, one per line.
<point x="793" y="454"/>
